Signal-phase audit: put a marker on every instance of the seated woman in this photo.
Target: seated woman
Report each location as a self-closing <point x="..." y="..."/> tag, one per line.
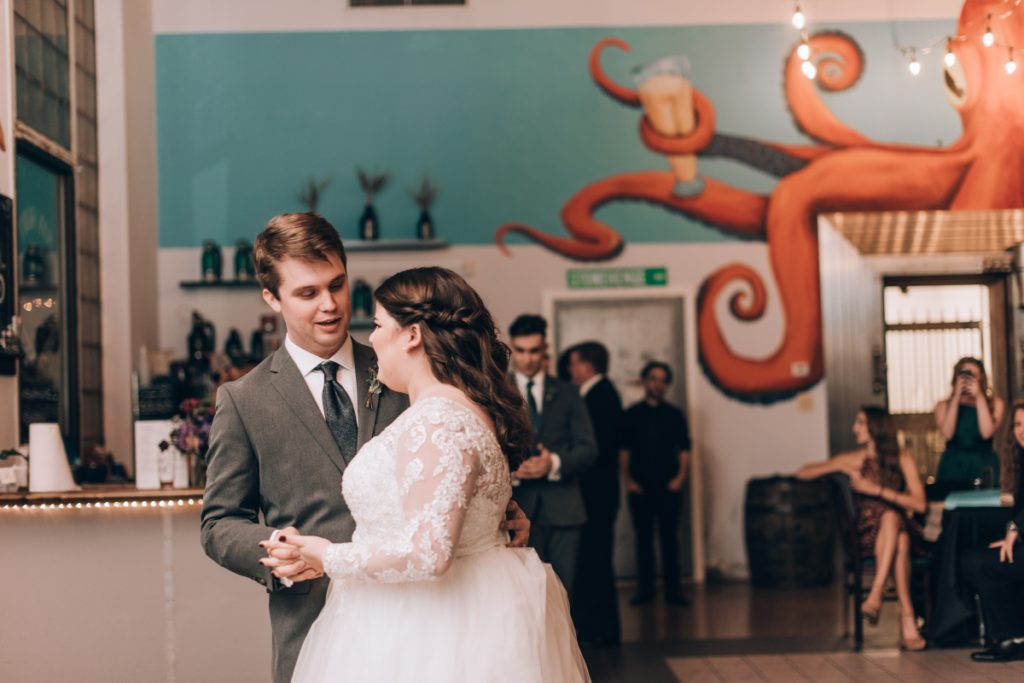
<point x="889" y="490"/>
<point x="967" y="420"/>
<point x="996" y="573"/>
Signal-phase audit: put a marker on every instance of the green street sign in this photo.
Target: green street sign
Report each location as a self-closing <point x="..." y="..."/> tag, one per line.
<point x="605" y="278"/>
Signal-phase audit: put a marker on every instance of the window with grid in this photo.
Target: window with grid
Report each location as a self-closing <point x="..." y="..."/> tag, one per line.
<point x="41" y="67"/>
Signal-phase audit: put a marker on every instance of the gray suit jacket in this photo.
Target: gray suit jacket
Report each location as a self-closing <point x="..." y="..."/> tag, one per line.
<point x="564" y="429"/>
<point x="273" y="463"/>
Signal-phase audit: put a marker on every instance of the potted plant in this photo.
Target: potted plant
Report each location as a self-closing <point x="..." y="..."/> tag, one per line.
<point x="424" y="195"/>
<point x="371" y="184"/>
<point x="311" y="192"/>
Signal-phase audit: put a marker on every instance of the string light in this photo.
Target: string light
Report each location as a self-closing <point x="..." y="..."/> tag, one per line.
<point x="989" y="39"/>
<point x="804" y="51"/>
<point x="123" y="504"/>
<point x="799" y="20"/>
<point x="809" y="69"/>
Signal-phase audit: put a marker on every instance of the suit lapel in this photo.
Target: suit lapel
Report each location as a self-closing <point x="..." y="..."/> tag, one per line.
<point x="550" y="393"/>
<point x="365" y="360"/>
<point x="295" y="394"/>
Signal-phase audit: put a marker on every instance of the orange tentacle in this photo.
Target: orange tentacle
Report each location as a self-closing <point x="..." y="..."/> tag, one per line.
<point x="621" y="93"/>
<point x="693" y="143"/>
<point x="735" y="211"/>
<point x="840" y="64"/>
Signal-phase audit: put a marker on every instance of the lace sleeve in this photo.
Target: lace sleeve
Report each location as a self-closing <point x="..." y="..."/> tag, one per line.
<point x="437" y="468"/>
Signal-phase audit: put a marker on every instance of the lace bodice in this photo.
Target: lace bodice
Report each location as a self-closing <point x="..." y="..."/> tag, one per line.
<point x="431" y="487"/>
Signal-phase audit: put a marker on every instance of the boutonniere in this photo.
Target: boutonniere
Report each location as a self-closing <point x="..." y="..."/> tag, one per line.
<point x="375" y="387"/>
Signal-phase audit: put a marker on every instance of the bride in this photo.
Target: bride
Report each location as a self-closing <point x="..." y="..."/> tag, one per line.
<point x="427" y="591"/>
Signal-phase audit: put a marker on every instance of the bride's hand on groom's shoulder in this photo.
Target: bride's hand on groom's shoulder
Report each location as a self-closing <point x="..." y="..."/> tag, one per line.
<point x="295" y="557"/>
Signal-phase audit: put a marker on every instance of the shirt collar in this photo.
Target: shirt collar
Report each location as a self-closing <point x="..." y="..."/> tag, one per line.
<point x="521" y="380"/>
<point x="589" y="384"/>
<point x="307" y="362"/>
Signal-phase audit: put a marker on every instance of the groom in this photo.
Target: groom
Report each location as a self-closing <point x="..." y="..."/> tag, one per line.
<point x="285" y="432"/>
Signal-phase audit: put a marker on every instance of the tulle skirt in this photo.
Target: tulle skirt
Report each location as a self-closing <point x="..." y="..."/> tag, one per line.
<point x="498" y="615"/>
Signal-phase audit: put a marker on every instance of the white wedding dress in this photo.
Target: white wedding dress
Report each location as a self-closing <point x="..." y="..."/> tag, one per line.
<point x="427" y="591"/>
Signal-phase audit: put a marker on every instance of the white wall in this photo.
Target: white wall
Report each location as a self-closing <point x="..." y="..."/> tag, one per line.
<point x="203" y="16"/>
<point x="128" y="204"/>
<point x="737" y="440"/>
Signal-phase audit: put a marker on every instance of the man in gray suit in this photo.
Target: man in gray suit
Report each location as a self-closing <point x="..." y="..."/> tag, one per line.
<point x="284" y="433"/>
<point x="548" y="483"/>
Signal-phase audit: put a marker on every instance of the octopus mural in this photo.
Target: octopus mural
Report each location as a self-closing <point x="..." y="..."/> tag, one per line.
<point x="843" y="171"/>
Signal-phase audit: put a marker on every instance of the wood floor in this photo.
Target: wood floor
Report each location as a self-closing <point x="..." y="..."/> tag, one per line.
<point x="733" y="633"/>
<point x="870" y="666"/>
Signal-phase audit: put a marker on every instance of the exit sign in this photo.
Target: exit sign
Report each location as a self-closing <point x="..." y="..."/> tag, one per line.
<point x="601" y="278"/>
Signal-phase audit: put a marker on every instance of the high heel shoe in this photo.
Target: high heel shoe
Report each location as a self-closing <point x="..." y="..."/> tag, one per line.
<point x="871" y="614"/>
<point x="914" y="644"/>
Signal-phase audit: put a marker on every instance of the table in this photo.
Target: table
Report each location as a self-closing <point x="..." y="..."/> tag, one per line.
<point x="965" y="527"/>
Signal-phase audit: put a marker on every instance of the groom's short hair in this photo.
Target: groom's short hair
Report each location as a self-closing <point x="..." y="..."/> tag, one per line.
<point x="306" y="236"/>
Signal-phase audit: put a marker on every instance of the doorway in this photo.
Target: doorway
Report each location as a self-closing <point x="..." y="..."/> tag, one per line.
<point x="638" y="326"/>
<point x="46" y="285"/>
<point x="930" y="323"/>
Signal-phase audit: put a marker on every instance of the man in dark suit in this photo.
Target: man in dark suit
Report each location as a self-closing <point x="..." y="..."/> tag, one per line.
<point x="595" y="601"/>
<point x="284" y="433"/>
<point x="548" y="483"/>
<point x="997" y="575"/>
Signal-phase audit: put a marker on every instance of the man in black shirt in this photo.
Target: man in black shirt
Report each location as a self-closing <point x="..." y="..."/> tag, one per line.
<point x="654" y="461"/>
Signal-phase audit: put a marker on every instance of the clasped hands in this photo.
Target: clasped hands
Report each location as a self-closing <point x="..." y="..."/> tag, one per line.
<point x="293" y="557"/>
<point x="536" y="467"/>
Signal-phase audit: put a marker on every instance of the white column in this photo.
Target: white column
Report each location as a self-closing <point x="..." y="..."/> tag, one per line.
<point x="128" y="204"/>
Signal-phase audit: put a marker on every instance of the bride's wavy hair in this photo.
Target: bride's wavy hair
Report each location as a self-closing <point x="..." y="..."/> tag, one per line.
<point x="461" y="342"/>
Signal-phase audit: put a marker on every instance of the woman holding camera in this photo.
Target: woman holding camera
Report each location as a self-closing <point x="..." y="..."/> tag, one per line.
<point x="968" y="419"/>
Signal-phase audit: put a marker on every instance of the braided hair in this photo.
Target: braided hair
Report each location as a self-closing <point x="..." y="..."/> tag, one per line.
<point x="462" y="346"/>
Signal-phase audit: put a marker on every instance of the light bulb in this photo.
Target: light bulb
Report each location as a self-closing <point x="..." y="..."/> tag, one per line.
<point x="809" y="69"/>
<point x="804" y="51"/>
<point x="799" y="20"/>
<point x="989" y="39"/>
<point x="915" y="67"/>
<point x="950" y="58"/>
<point x="1011" y="65"/>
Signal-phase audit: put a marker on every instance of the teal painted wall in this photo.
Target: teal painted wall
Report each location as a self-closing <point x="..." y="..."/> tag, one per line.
<point x="507" y="122"/>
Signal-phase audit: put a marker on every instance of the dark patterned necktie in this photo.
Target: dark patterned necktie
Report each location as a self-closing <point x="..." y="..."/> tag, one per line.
<point x="531" y="403"/>
<point x="338" y="411"/>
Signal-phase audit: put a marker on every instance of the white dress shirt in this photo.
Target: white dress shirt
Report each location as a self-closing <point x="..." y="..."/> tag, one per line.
<point x="308" y="362"/>
<point x="589" y="384"/>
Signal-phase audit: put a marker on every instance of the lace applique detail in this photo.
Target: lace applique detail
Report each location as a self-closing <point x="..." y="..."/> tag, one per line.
<point x="413" y="473"/>
<point x="433" y="482"/>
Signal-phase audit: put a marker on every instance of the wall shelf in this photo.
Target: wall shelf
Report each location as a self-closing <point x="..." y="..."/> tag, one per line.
<point x="219" y="284"/>
<point x="395" y="245"/>
<point x="350" y="246"/>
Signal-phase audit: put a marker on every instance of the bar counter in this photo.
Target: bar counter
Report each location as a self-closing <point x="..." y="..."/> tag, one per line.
<point x="102" y="496"/>
<point x="110" y="583"/>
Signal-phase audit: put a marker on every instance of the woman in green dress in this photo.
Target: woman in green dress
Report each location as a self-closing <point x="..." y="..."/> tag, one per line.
<point x="968" y="419"/>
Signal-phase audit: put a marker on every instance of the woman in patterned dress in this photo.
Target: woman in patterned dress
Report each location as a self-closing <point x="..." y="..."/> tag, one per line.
<point x="889" y="491"/>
